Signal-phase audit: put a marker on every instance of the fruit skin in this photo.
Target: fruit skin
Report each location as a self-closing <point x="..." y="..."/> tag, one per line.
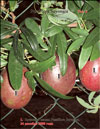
<point x="8" y="97"/>
<point x="65" y="83"/>
<point x="90" y="79"/>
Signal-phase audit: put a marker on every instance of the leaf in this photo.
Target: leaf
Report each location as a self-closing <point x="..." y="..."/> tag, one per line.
<point x="80" y="31"/>
<point x="95" y="52"/>
<point x="84" y="56"/>
<point x="48" y="88"/>
<point x="95" y="110"/>
<point x="91" y="95"/>
<point x="13" y="5"/>
<point x="15" y="71"/>
<point x="53" y="31"/>
<point x="44" y="23"/>
<point x="92" y="14"/>
<point x="93" y="4"/>
<point x="7" y="24"/>
<point x="3" y="62"/>
<point x="92" y="38"/>
<point x="33" y="26"/>
<point x="83" y="103"/>
<point x="40" y="67"/>
<point x="97" y="100"/>
<point x="30" y="38"/>
<point x="76" y="45"/>
<point x="5" y="32"/>
<point x="70" y="33"/>
<point x="18" y="50"/>
<point x="6" y="41"/>
<point x="31" y="80"/>
<point x="61" y="53"/>
<point x="61" y="16"/>
<point x="79" y="3"/>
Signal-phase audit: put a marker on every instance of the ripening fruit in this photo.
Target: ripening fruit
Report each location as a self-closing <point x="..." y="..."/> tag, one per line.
<point x="90" y="75"/>
<point x="8" y="95"/>
<point x="62" y="84"/>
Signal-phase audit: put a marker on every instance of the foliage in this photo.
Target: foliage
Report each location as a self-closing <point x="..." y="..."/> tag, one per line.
<point x="63" y="29"/>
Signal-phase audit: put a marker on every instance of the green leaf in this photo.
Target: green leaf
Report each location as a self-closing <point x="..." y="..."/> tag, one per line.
<point x="7" y="24"/>
<point x="91" y="95"/>
<point x="15" y="71"/>
<point x="78" y="3"/>
<point x="76" y="45"/>
<point x="33" y="26"/>
<point x="80" y="31"/>
<point x="83" y="103"/>
<point x="70" y="33"/>
<point x="92" y="38"/>
<point x="92" y="14"/>
<point x="48" y="88"/>
<point x="53" y="31"/>
<point x="61" y="53"/>
<point x="40" y="67"/>
<point x="13" y="5"/>
<point x="94" y="4"/>
<point x="6" y="41"/>
<point x="18" y="50"/>
<point x="31" y="80"/>
<point x="44" y="23"/>
<point x="73" y="7"/>
<point x="84" y="56"/>
<point x="41" y="42"/>
<point x="3" y="62"/>
<point x="95" y="110"/>
<point x="95" y="52"/>
<point x="31" y="38"/>
<point x="1" y="79"/>
<point x="97" y="101"/>
<point x="5" y="32"/>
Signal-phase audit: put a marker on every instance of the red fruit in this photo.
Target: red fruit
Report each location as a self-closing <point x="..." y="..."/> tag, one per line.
<point x="8" y="96"/>
<point x="62" y="84"/>
<point x="90" y="75"/>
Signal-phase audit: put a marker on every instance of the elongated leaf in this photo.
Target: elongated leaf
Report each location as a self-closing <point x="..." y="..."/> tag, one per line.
<point x="52" y="48"/>
<point x="95" y="52"/>
<point x="7" y="24"/>
<point x="91" y="95"/>
<point x="31" y="80"/>
<point x="13" y="5"/>
<point x="33" y="26"/>
<point x="5" y="41"/>
<point x="53" y="31"/>
<point x="95" y="110"/>
<point x="72" y="7"/>
<point x="84" y="104"/>
<point x="40" y="67"/>
<point x="80" y="31"/>
<point x="76" y="45"/>
<point x="41" y="42"/>
<point x="44" y="23"/>
<point x="15" y="71"/>
<point x="48" y="88"/>
<point x="79" y="3"/>
<point x="92" y="38"/>
<point x="18" y="50"/>
<point x="5" y="32"/>
<point x="93" y="14"/>
<point x="3" y="62"/>
<point x="70" y="33"/>
<point x="95" y="4"/>
<point x="97" y="100"/>
<point x="30" y="38"/>
<point x="61" y="53"/>
<point x="84" y="56"/>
